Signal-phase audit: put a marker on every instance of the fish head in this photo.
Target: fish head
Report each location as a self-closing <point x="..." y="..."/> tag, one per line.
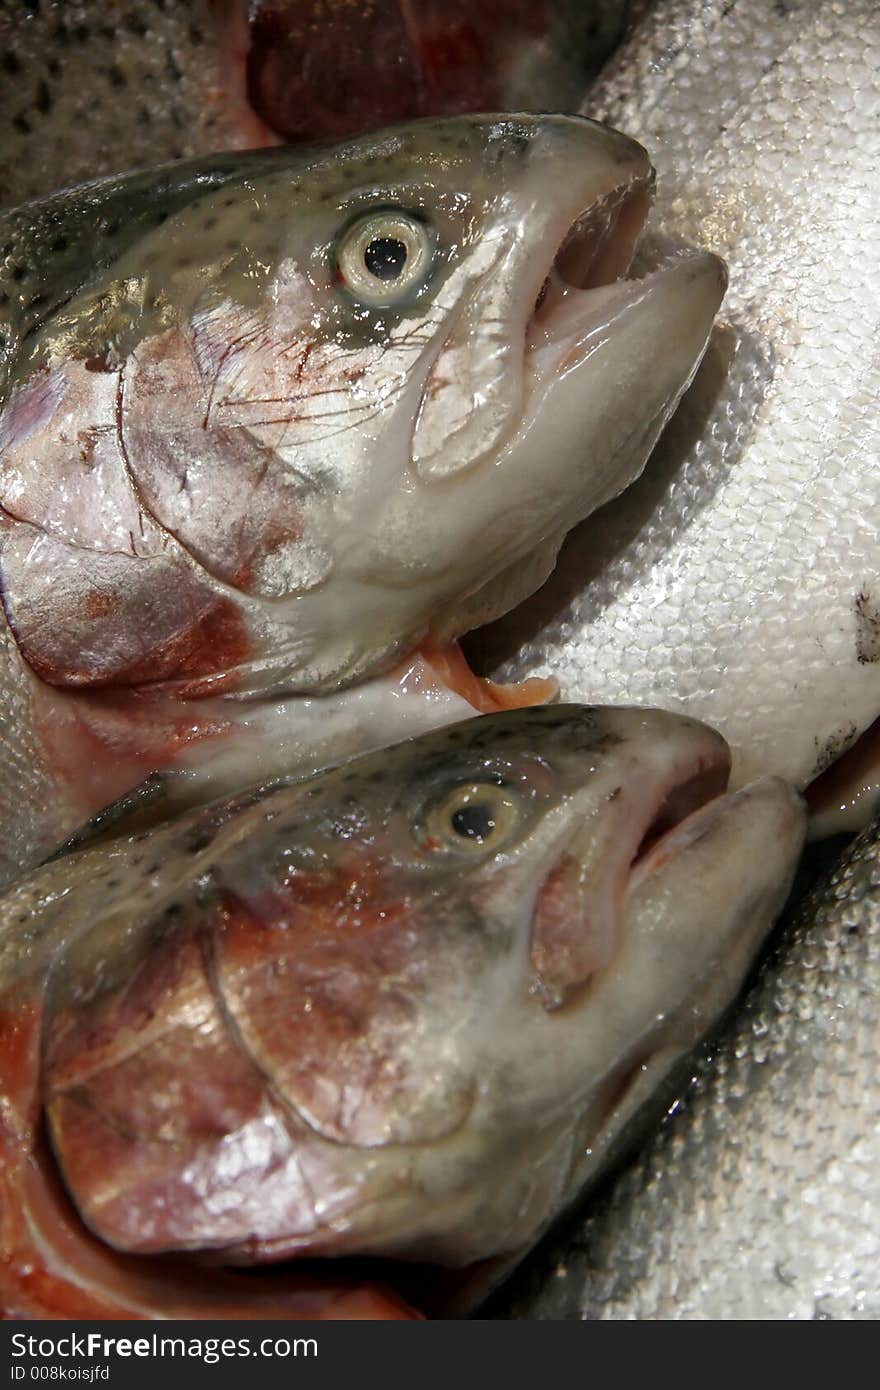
<point x="388" y="1011"/>
<point x="314" y="407"/>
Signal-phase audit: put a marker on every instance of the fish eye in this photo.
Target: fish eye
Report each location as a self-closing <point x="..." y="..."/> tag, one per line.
<point x="384" y="255"/>
<point x="473" y="817"/>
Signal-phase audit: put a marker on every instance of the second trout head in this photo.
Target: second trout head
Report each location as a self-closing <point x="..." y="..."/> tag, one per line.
<point x="319" y="406"/>
<point x="405" y="1007"/>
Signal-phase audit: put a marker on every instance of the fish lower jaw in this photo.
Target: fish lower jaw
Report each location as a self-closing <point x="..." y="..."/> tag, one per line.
<point x="703" y="819"/>
<point x="581" y="319"/>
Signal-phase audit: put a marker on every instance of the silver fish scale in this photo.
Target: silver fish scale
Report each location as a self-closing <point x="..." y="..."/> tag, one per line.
<point x="739" y="580"/>
<point x="759" y="1196"/>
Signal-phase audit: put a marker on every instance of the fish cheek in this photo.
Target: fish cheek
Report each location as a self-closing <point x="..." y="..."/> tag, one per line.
<point x="205" y="411"/>
<point x="94" y="591"/>
<point x="333" y="1005"/>
<point x="146" y="1094"/>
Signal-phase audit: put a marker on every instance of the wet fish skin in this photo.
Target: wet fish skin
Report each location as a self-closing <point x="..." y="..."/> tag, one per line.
<point x="758" y="1197"/>
<point x="392" y="942"/>
<point x="190" y="512"/>
<point x="737" y="581"/>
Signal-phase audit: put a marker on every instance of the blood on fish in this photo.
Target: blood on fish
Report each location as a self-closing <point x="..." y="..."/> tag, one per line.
<point x="52" y="1266"/>
<point x="317" y="70"/>
<point x="102" y="744"/>
<point x="203" y="656"/>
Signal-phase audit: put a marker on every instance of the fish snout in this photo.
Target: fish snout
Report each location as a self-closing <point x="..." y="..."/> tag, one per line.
<point x="704" y="896"/>
<point x="657" y="769"/>
<point x="576" y="189"/>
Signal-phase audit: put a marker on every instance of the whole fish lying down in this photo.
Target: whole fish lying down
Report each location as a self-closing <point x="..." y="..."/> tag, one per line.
<point x="400" y="1009"/>
<point x="739" y="581"/>
<point x="272" y="421"/>
<point x="760" y="1195"/>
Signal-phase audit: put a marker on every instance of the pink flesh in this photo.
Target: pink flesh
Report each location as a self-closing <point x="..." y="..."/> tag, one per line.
<point x="51" y="1267"/>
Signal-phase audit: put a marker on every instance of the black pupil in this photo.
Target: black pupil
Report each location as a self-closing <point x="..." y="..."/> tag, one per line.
<point x="385" y="257"/>
<point x="473" y="822"/>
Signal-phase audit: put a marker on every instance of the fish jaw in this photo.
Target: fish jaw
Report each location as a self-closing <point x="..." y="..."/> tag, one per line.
<point x="639" y="343"/>
<point x="301" y="1037"/>
<point x="473" y="395"/>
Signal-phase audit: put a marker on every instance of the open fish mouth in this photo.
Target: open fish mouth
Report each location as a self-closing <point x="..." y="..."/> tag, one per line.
<point x="598" y="271"/>
<point x="579" y="917"/>
<point x="598" y="249"/>
<point x="696" y="797"/>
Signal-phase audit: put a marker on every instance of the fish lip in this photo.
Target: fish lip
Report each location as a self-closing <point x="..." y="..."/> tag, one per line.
<point x="699" y="813"/>
<point x="596" y="250"/>
<point x="570" y="950"/>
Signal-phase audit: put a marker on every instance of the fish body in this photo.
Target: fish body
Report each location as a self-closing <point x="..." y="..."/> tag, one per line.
<point x="318" y="69"/>
<point x="737" y="581"/>
<point x="758" y="1197"/>
<point x="272" y="421"/>
<point x="399" y="1009"/>
<point x="90" y="90"/>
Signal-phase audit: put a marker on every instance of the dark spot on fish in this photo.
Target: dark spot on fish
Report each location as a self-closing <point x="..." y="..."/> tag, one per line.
<point x="82" y="33"/>
<point x="10" y="63"/>
<point x="833" y="747"/>
<point x="117" y="77"/>
<point x="43" y="98"/>
<point x="98" y="363"/>
<point x="867" y="610"/>
<point x="18" y="273"/>
<point x="22" y="124"/>
<point x="60" y="243"/>
<point x="36" y="301"/>
<point x="53" y="67"/>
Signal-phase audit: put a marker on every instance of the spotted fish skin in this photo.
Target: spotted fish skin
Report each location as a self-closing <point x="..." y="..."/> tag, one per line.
<point x="91" y="89"/>
<point x="88" y="90"/>
<point x="758" y="1197"/>
<point x="738" y="581"/>
<point x="403" y="1008"/>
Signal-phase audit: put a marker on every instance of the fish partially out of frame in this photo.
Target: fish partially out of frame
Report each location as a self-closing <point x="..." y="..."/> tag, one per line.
<point x="403" y="1009"/>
